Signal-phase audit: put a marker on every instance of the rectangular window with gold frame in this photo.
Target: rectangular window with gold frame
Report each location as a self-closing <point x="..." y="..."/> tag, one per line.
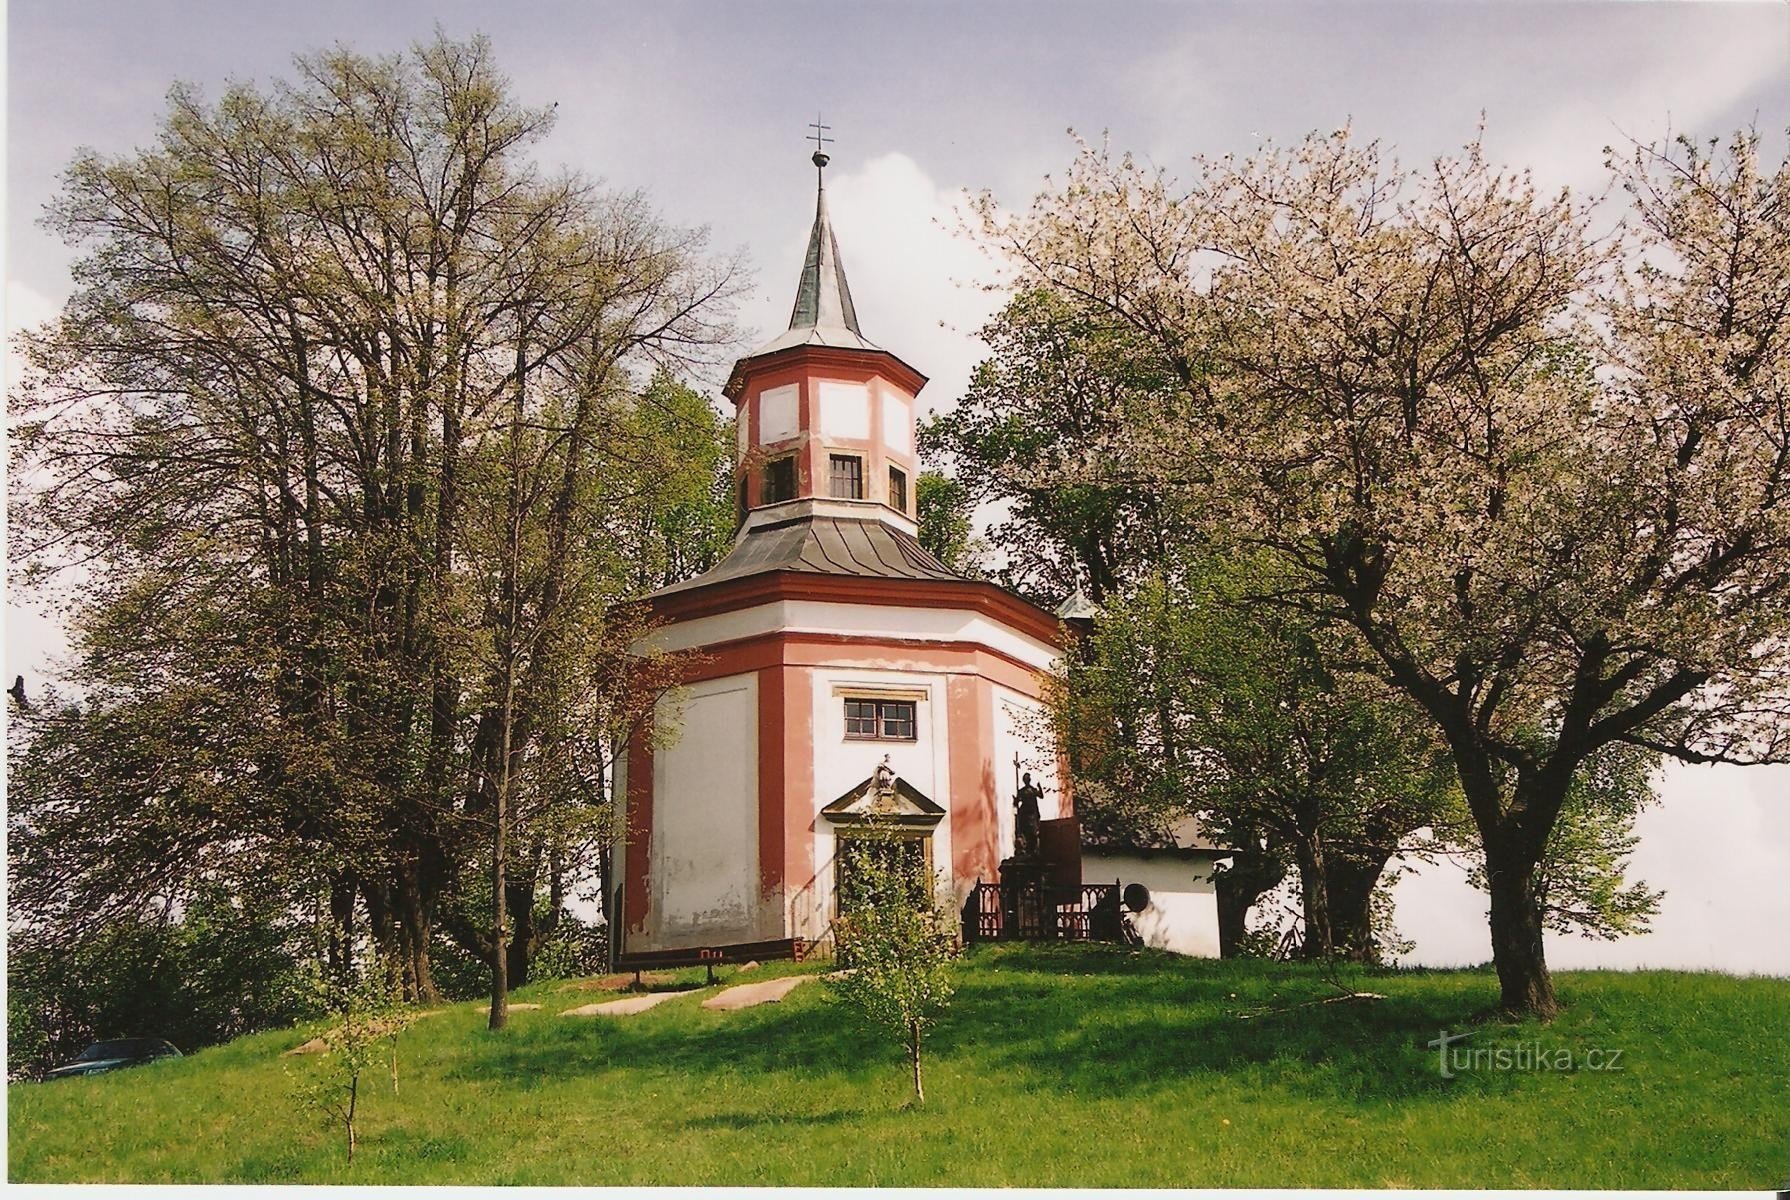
<point x="881" y="720"/>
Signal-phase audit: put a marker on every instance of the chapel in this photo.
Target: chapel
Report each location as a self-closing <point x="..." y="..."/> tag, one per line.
<point x="842" y="666"/>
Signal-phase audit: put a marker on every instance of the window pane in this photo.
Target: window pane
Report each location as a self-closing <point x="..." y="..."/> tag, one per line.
<point x="898" y="488"/>
<point x="860" y="718"/>
<point x="846" y="477"/>
<point x="898" y="719"/>
<point x="780" y="480"/>
<point x="886" y="719"/>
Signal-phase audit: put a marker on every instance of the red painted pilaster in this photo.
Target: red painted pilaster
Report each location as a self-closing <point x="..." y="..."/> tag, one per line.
<point x="798" y="788"/>
<point x="975" y="832"/>
<point x="639" y="835"/>
<point x="772" y="759"/>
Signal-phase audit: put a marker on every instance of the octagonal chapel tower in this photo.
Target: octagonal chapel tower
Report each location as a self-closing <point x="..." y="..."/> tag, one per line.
<point x="831" y="640"/>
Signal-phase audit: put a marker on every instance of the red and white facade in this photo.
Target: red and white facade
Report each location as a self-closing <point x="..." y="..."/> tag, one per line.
<point x="825" y="605"/>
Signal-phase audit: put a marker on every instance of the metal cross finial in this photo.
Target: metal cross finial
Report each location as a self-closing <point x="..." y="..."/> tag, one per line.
<point x="820" y="156"/>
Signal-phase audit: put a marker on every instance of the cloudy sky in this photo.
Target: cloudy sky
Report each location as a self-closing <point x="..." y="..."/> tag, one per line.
<point x="704" y="107"/>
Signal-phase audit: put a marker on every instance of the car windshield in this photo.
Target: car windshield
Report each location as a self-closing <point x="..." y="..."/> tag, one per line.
<point x="123" y="1048"/>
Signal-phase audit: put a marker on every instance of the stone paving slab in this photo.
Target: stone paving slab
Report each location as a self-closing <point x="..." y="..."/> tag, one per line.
<point x="623" y="1008"/>
<point x="748" y="995"/>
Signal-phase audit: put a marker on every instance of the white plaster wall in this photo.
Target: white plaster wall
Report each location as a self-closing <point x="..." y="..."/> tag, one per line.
<point x="898" y="422"/>
<point x="703" y="867"/>
<point x="844" y="409"/>
<point x="1182" y="916"/>
<point x="777" y="413"/>
<point x="840" y="763"/>
<point x="818" y="616"/>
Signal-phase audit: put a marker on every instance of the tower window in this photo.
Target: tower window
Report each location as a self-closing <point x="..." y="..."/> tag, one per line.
<point x="898" y="488"/>
<point x="779" y="481"/>
<point x="845" y="477"/>
<point x="884" y="720"/>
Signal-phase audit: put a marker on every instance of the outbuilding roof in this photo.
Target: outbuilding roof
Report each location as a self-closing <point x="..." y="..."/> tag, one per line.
<point x="1183" y="839"/>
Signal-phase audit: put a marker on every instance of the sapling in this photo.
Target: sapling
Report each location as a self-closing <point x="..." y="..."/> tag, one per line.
<point x="896" y="939"/>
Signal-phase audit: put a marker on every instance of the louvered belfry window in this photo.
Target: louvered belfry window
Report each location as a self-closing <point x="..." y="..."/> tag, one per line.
<point x="845" y="477"/>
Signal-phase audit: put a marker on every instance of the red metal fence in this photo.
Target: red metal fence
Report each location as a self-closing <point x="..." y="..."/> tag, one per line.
<point x="997" y="912"/>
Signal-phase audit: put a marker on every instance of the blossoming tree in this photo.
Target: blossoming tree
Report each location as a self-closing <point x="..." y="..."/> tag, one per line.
<point x="1539" y="473"/>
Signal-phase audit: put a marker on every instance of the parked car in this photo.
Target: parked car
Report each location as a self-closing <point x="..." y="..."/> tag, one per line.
<point x="112" y="1055"/>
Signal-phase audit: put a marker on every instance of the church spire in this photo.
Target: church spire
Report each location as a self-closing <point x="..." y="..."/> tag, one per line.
<point x="824" y="317"/>
<point x="823" y="298"/>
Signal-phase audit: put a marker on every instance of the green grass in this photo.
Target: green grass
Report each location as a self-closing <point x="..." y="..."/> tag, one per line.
<point x="1060" y="1066"/>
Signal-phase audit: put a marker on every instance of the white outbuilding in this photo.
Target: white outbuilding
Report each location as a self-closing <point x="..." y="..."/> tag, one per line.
<point x="1167" y="886"/>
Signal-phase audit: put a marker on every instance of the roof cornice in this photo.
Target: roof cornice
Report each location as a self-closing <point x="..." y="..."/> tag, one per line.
<point x="879" y="361"/>
<point x="989" y="599"/>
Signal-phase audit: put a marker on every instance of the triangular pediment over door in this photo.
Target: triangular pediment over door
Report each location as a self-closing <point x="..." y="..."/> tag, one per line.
<point x="903" y="805"/>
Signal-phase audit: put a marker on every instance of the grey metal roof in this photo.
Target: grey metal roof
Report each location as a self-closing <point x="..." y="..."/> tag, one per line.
<point x="823" y="298"/>
<point x="837" y="337"/>
<point x="823" y="314"/>
<point x="820" y="545"/>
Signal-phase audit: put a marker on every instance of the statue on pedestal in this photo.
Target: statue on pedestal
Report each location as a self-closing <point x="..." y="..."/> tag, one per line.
<point x="1025" y="807"/>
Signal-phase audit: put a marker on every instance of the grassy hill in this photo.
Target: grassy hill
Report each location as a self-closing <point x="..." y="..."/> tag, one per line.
<point x="1061" y="1066"/>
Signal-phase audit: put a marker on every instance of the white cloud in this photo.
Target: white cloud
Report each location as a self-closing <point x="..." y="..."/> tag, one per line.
<point x="1554" y="83"/>
<point x="1690" y="83"/>
<point x="26" y="306"/>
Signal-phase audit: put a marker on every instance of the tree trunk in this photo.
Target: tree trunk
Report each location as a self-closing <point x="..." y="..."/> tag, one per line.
<point x="1525" y="988"/>
<point x="525" y="938"/>
<point x="500" y="959"/>
<point x="418" y="928"/>
<point x="382" y="925"/>
<point x="507" y="649"/>
<point x="340" y="948"/>
<point x="1314" y="899"/>
<point x="348" y="1117"/>
<point x="913" y="1048"/>
<point x="1349" y="885"/>
<point x="1252" y="873"/>
<point x="1512" y="836"/>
